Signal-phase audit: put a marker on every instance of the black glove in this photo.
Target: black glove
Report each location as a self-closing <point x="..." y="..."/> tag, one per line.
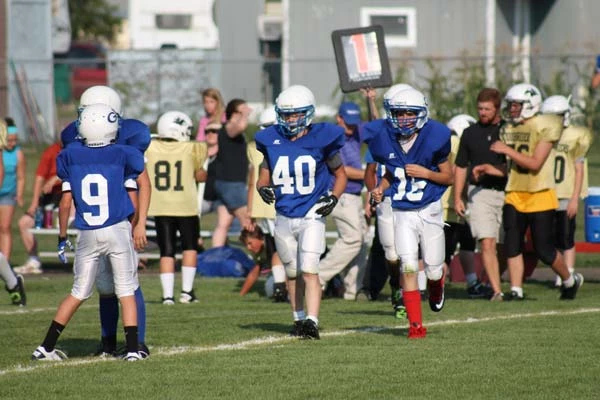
<point x="329" y="203"/>
<point x="267" y="194"/>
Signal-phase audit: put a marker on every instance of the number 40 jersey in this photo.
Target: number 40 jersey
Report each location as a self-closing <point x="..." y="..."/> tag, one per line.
<point x="299" y="171"/>
<point x="96" y="178"/>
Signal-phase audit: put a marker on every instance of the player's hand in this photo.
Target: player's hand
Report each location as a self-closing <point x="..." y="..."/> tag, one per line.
<point x="499" y="147"/>
<point x="572" y="208"/>
<point x="267" y="194"/>
<point x="459" y="207"/>
<point x="63" y="244"/>
<point x="329" y="203"/>
<point x="139" y="237"/>
<point x="376" y="197"/>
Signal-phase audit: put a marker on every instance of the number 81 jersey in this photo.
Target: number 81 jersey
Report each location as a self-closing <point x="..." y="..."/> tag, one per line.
<point x="299" y="171"/>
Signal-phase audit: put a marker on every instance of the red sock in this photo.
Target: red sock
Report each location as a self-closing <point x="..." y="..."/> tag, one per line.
<point x="412" y="302"/>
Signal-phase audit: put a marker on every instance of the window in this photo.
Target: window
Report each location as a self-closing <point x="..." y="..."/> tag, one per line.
<point x="173" y="21"/>
<point x="399" y="24"/>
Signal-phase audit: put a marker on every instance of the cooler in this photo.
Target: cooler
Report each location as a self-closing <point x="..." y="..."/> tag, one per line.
<point x="592" y="215"/>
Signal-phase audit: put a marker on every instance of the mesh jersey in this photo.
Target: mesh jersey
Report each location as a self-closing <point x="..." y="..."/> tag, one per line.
<point x="524" y="138"/>
<point x="131" y="132"/>
<point x="431" y="148"/>
<point x="448" y="196"/>
<point x="171" y="168"/>
<point x="260" y="209"/>
<point x="298" y="168"/>
<point x="95" y="177"/>
<point x="574" y="144"/>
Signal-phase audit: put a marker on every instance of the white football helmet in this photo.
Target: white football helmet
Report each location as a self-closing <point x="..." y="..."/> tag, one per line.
<point x="407" y="100"/>
<point x="526" y="94"/>
<point x="174" y="125"/>
<point x="267" y="118"/>
<point x="98" y="125"/>
<point x="460" y="122"/>
<point x="398" y="87"/>
<point x="558" y="104"/>
<point x="101" y="95"/>
<point x="295" y="108"/>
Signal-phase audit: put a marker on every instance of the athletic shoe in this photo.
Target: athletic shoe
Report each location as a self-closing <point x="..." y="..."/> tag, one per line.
<point x="188" y="297"/>
<point x="436" y="293"/>
<point x="417" y="332"/>
<point x="557" y="281"/>
<point x="280" y="294"/>
<point x="497" y="297"/>
<point x="514" y="296"/>
<point x="169" y="301"/>
<point x="143" y="350"/>
<point x="107" y="354"/>
<point x="41" y="354"/>
<point x="17" y="294"/>
<point x="570" y="293"/>
<point x="32" y="266"/>
<point x="133" y="356"/>
<point x="478" y="290"/>
<point x="310" y="330"/>
<point x="396" y="297"/>
<point x="296" y="329"/>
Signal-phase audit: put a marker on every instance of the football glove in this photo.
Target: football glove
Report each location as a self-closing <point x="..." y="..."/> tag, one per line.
<point x="267" y="194"/>
<point x="63" y="244"/>
<point x="329" y="203"/>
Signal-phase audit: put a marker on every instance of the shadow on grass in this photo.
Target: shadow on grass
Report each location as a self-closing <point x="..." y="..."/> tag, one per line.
<point x="79" y="347"/>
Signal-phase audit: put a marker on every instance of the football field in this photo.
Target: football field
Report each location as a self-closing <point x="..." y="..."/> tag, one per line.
<point x="229" y="347"/>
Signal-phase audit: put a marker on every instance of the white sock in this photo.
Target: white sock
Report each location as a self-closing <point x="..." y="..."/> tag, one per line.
<point x="569" y="282"/>
<point x="278" y="272"/>
<point x="299" y="315"/>
<point x="518" y="290"/>
<point x="422" y="279"/>
<point x="314" y="319"/>
<point x="6" y="273"/>
<point x="471" y="279"/>
<point x="187" y="278"/>
<point x="167" y="281"/>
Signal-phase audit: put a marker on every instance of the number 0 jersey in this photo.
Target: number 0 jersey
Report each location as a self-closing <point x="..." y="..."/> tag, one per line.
<point x="171" y="169"/>
<point x="573" y="145"/>
<point x="431" y="148"/>
<point x="524" y="137"/>
<point x="298" y="168"/>
<point x="95" y="177"/>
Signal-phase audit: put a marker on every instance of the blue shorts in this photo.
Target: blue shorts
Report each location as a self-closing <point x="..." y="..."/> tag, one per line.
<point x="7" y="199"/>
<point x="232" y="195"/>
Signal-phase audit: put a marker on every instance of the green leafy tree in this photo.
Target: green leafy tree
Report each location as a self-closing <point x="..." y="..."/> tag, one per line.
<point x="93" y="19"/>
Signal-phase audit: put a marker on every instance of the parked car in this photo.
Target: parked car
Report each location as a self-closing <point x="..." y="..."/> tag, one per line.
<point x="87" y="65"/>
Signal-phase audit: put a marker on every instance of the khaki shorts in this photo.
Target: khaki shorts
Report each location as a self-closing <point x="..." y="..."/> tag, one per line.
<point x="485" y="213"/>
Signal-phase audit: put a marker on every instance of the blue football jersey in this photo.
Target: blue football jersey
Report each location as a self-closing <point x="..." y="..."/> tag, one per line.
<point x="431" y="148"/>
<point x="95" y="177"/>
<point x="131" y="132"/>
<point x="298" y="168"/>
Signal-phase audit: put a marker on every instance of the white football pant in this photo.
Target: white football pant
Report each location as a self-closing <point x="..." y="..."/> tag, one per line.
<point x="300" y="243"/>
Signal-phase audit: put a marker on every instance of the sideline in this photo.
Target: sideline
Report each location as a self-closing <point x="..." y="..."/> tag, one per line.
<point x="267" y="340"/>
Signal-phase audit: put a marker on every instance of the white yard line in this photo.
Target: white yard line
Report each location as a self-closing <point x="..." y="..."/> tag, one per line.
<point x="170" y="351"/>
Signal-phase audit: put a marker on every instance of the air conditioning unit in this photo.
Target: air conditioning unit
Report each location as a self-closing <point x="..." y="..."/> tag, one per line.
<point x="269" y="27"/>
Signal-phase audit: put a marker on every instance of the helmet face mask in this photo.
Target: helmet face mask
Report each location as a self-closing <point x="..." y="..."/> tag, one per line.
<point x="295" y="109"/>
<point x="98" y="125"/>
<point x="175" y="125"/>
<point x="558" y="105"/>
<point x="528" y="96"/>
<point x="407" y="111"/>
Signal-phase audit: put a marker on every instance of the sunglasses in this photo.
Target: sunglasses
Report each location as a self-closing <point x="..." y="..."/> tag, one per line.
<point x="212" y="131"/>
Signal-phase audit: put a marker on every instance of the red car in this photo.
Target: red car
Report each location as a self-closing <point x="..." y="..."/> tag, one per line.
<point x="87" y="62"/>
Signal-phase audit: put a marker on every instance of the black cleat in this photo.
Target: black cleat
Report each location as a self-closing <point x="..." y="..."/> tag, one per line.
<point x="310" y="330"/>
<point x="570" y="293"/>
<point x="514" y="296"/>
<point x="297" y="329"/>
<point x="479" y="291"/>
<point x="280" y="294"/>
<point x="17" y="294"/>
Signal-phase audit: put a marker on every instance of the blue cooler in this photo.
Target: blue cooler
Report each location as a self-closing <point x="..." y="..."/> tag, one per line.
<point x="592" y="215"/>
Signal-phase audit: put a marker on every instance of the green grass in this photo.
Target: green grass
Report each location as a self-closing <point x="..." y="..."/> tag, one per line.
<point x="230" y="347"/>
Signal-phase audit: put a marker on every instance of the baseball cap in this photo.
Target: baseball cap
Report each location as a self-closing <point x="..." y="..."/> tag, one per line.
<point x="350" y="113"/>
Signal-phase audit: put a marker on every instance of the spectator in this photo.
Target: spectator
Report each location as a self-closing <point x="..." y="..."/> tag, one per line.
<point x="46" y="194"/>
<point x="174" y="166"/>
<point x="596" y="77"/>
<point x="299" y="158"/>
<point x="231" y="172"/>
<point x="528" y="139"/>
<point x="456" y="230"/>
<point x="486" y="187"/>
<point x="214" y="111"/>
<point x="569" y="176"/>
<point x="348" y="254"/>
<point x="415" y="152"/>
<point x="206" y="190"/>
<point x="11" y="191"/>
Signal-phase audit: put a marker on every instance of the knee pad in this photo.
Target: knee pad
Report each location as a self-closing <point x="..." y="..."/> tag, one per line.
<point x="409" y="265"/>
<point x="434" y="272"/>
<point x="309" y="263"/>
<point x="291" y="270"/>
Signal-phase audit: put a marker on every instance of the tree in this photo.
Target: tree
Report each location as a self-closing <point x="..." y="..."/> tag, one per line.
<point x="93" y="19"/>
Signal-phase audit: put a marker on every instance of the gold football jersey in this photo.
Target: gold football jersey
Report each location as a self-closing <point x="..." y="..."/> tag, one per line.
<point x="448" y="197"/>
<point x="574" y="144"/>
<point x="171" y="167"/>
<point x="3" y="134"/>
<point x="524" y="137"/>
<point x="260" y="209"/>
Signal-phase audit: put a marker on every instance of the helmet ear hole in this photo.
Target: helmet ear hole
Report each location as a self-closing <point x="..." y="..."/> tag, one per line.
<point x="175" y="125"/>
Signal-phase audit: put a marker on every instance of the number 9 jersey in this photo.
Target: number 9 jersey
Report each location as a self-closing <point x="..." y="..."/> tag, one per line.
<point x="299" y="172"/>
<point x="96" y="178"/>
